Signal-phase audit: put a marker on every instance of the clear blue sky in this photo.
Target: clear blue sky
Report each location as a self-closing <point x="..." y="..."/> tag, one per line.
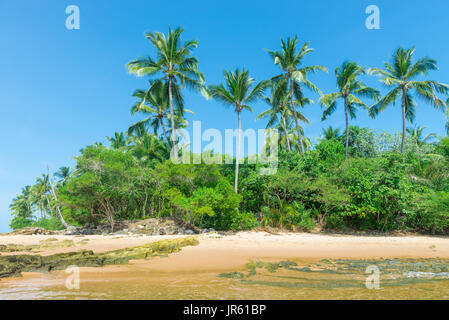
<point x="61" y="90"/>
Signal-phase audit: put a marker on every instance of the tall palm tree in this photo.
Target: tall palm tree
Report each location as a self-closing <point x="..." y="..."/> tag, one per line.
<point x="416" y="133"/>
<point x="350" y="88"/>
<point x="178" y="66"/>
<point x="400" y="74"/>
<point x="119" y="140"/>
<point x="294" y="75"/>
<point x="237" y="92"/>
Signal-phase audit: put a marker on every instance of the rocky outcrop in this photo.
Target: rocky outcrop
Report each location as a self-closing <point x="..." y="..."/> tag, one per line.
<point x="150" y="227"/>
<point x="28" y="231"/>
<point x="13" y="266"/>
<point x="45" y="244"/>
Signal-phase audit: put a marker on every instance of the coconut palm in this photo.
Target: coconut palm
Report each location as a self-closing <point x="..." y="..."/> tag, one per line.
<point x="279" y="104"/>
<point x="148" y="148"/>
<point x="350" y="88"/>
<point x="39" y="194"/>
<point x="154" y="102"/>
<point x="63" y="174"/>
<point x="416" y="133"/>
<point x="22" y="205"/>
<point x="119" y="140"/>
<point x="237" y="92"/>
<point x="400" y="74"/>
<point x="294" y="75"/>
<point x="278" y="108"/>
<point x="330" y="133"/>
<point x="178" y="66"/>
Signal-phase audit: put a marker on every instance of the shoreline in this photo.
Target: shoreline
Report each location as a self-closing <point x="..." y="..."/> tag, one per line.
<point x="257" y="243"/>
<point x="192" y="273"/>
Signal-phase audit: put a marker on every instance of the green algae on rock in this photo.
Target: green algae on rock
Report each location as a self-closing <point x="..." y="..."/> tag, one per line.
<point x="329" y="274"/>
<point x="13" y="266"/>
<point x="43" y="245"/>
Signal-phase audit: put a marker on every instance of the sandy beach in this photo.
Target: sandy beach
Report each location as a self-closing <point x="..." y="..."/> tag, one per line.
<point x="193" y="273"/>
<point x="218" y="252"/>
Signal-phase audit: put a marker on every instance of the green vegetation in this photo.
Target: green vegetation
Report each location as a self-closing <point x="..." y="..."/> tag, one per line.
<point x="362" y="179"/>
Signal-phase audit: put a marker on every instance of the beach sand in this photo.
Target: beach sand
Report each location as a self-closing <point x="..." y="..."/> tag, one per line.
<point x="193" y="272"/>
<point x="216" y="251"/>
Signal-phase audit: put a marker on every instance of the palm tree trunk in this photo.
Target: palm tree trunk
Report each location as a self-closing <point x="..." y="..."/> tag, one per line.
<point x="237" y="157"/>
<point x="347" y="130"/>
<point x="286" y="133"/>
<point x="298" y="128"/>
<point x="165" y="134"/>
<point x="58" y="209"/>
<point x="403" y="120"/>
<point x="172" y="113"/>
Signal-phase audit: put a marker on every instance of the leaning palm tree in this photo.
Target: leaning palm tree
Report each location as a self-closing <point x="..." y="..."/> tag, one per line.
<point x="350" y="88"/>
<point x="237" y="92"/>
<point x="401" y="74"/>
<point x="178" y="66"/>
<point x="416" y="133"/>
<point x="294" y="75"/>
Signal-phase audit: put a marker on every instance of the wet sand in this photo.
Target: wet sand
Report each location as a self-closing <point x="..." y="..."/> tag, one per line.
<point x="192" y="273"/>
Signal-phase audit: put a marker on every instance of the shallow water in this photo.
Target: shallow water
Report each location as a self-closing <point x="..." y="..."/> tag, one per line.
<point x="298" y="279"/>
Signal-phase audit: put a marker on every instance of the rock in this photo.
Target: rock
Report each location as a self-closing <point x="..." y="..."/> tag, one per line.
<point x="190" y="232"/>
<point x="32" y="231"/>
<point x="12" y="266"/>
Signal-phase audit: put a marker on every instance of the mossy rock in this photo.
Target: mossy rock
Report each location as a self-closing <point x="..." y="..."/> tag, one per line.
<point x="12" y="266"/>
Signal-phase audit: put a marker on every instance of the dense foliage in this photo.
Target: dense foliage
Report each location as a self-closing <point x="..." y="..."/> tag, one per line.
<point x="352" y="179"/>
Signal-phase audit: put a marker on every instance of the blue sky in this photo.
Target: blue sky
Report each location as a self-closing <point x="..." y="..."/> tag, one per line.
<point x="61" y="90"/>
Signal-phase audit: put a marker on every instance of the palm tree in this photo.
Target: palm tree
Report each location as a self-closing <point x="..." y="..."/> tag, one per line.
<point x="22" y="205"/>
<point x="175" y="62"/>
<point x="154" y="103"/>
<point x="447" y="116"/>
<point x="416" y="133"/>
<point x="350" y="88"/>
<point x="293" y="75"/>
<point x="148" y="148"/>
<point x="330" y="133"/>
<point x="63" y="174"/>
<point x="237" y="92"/>
<point x="118" y="141"/>
<point x="279" y="103"/>
<point x="400" y="75"/>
